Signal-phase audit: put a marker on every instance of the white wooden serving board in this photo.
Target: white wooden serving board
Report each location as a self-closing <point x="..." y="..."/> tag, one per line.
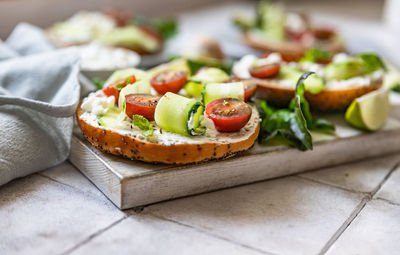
<point x="132" y="183"/>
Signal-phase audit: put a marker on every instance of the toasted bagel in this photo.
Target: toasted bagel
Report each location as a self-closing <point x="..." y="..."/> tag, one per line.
<point x="59" y="43"/>
<point x="290" y="51"/>
<point x="139" y="148"/>
<point x="327" y="100"/>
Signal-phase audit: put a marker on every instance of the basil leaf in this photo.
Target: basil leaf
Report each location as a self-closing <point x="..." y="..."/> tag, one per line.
<point x="290" y="126"/>
<point x="167" y="27"/>
<point x="314" y="55"/>
<point x="371" y="62"/>
<point x="143" y="124"/>
<point x="396" y="87"/>
<point x="99" y="83"/>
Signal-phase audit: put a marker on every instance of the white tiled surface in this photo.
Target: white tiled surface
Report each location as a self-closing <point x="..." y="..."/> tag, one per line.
<point x="376" y="230"/>
<point x="58" y="211"/>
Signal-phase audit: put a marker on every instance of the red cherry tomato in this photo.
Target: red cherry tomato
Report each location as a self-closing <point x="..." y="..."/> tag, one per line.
<point x="265" y="71"/>
<point x="141" y="104"/>
<point x="169" y="81"/>
<point x="114" y="88"/>
<point x="265" y="54"/>
<point x="228" y="114"/>
<point x="250" y="87"/>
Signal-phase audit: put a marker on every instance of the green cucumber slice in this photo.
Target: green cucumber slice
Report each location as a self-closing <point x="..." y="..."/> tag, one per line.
<point x="344" y="70"/>
<point x="314" y="84"/>
<point x="214" y="91"/>
<point x="139" y="87"/>
<point x="193" y="88"/>
<point x="179" y="64"/>
<point x="110" y="119"/>
<point x="123" y="73"/>
<point x="174" y="111"/>
<point x="210" y="74"/>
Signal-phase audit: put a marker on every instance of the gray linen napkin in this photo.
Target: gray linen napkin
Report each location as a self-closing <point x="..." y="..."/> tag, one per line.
<point x="39" y="92"/>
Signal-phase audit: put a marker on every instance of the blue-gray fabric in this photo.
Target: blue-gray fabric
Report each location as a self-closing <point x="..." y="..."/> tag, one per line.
<point x="39" y="92"/>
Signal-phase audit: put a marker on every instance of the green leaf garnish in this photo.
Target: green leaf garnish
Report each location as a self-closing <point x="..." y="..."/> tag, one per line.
<point x="143" y="124"/>
<point x="167" y="27"/>
<point x="119" y="86"/>
<point x="291" y="126"/>
<point x="99" y="83"/>
<point x="396" y="87"/>
<point x="315" y="55"/>
<point x="371" y="62"/>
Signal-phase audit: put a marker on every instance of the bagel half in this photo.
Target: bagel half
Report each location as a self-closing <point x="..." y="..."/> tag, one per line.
<point x="136" y="147"/>
<point x="327" y="100"/>
<point x="291" y="51"/>
<point x="59" y="43"/>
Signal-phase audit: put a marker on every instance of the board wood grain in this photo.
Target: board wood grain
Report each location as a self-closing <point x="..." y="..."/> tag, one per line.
<point x="130" y="183"/>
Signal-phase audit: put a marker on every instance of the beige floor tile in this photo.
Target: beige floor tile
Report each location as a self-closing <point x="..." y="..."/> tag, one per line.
<point x="283" y="216"/>
<point x="40" y="216"/>
<point x="376" y="230"/>
<point x="141" y="234"/>
<point x="362" y="176"/>
<point x="391" y="188"/>
<point x="66" y="173"/>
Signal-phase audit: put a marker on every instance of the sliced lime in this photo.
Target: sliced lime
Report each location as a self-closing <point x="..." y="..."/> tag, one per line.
<point x="370" y="111"/>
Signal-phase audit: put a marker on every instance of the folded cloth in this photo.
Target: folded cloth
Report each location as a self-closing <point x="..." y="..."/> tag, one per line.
<point x="39" y="92"/>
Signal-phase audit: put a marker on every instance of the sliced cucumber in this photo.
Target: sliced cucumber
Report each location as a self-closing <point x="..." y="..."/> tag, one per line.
<point x="179" y="64"/>
<point x="193" y="88"/>
<point x="344" y="70"/>
<point x="210" y="74"/>
<point x="139" y="87"/>
<point x="314" y="84"/>
<point x="214" y="91"/>
<point x="271" y="20"/>
<point x="123" y="73"/>
<point x="110" y="119"/>
<point x="173" y="113"/>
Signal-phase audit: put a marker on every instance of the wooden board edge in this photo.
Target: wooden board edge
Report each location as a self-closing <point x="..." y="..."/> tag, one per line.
<point x="184" y="181"/>
<point x="96" y="170"/>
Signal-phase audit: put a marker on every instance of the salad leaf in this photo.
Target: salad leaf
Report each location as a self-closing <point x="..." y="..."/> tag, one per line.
<point x="99" y="83"/>
<point x="143" y="124"/>
<point x="396" y="87"/>
<point x="314" y="55"/>
<point x="371" y="62"/>
<point x="291" y="126"/>
<point x="167" y="27"/>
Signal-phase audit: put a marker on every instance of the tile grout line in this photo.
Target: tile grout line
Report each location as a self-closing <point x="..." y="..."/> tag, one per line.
<point x="387" y="201"/>
<point x="332" y="185"/>
<point x="211" y="234"/>
<point x="90" y="237"/>
<point x="369" y="196"/>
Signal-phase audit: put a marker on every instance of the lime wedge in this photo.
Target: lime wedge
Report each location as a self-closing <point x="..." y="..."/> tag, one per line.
<point x="370" y="111"/>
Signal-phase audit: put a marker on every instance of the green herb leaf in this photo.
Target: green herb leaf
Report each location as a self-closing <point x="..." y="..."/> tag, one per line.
<point x="371" y="62"/>
<point x="396" y="87"/>
<point x="167" y="27"/>
<point x="314" y="55"/>
<point x="290" y="126"/>
<point x="143" y="124"/>
<point x="119" y="86"/>
<point x="99" y="83"/>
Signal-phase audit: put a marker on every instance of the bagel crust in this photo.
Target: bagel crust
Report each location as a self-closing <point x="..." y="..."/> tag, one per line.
<point x="111" y="141"/>
<point x="326" y="100"/>
<point x="291" y="51"/>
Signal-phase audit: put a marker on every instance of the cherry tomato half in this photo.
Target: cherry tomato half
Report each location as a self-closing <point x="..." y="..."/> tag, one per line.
<point x="228" y="114"/>
<point x="250" y="87"/>
<point x="169" y="81"/>
<point x="141" y="104"/>
<point x="265" y="71"/>
<point x="114" y="88"/>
